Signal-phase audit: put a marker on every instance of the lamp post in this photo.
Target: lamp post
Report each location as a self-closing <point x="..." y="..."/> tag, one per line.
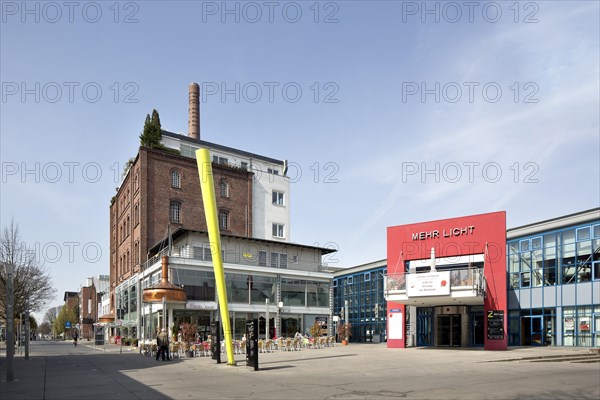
<point x="10" y="321"/>
<point x="267" y="320"/>
<point x="27" y="328"/>
<point x="278" y="322"/>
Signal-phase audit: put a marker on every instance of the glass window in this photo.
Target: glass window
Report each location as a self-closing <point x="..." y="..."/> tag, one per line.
<point x="274" y="260"/>
<point x="514" y="247"/>
<point x="244" y="165"/>
<point x="224" y="188"/>
<point x="583" y="233"/>
<point x="568" y="236"/>
<point x="550" y="240"/>
<point x="262" y="258"/>
<point x="524" y="245"/>
<point x="223" y="220"/>
<point x="293" y="292"/>
<point x="536" y="243"/>
<point x="278" y="231"/>
<point x="175" y="179"/>
<point x="596" y="229"/>
<point x="175" y="212"/>
<point x="277" y="198"/>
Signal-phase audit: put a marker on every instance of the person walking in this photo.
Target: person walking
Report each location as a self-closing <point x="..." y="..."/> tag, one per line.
<point x="162" y="344"/>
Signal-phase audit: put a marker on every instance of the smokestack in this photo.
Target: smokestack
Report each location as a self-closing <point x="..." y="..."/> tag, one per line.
<point x="194" y="111"/>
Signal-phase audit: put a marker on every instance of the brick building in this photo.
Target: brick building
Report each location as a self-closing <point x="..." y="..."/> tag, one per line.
<point x="90" y="297"/>
<point x="160" y="193"/>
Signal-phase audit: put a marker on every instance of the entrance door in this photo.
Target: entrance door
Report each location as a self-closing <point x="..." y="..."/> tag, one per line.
<point x="537" y="331"/>
<point x="448" y="330"/>
<point x="425" y="327"/>
<point x="477" y="331"/>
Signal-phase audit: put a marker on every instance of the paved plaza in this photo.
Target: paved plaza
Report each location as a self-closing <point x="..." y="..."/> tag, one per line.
<point x="58" y="370"/>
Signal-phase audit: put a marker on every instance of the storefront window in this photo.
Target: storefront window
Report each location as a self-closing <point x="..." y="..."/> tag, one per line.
<point x="293" y="292"/>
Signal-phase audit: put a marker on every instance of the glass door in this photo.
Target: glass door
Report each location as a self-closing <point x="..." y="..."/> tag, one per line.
<point x="537" y="331"/>
<point x="477" y="331"/>
<point x="424" y="327"/>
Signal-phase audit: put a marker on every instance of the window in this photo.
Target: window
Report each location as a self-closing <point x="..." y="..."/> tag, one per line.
<point x="278" y="231"/>
<point x="223" y="220"/>
<point x="136" y="214"/>
<point x="272" y="171"/>
<point x="279" y="260"/>
<point x="175" y="179"/>
<point x="224" y="188"/>
<point x="220" y="160"/>
<point x="278" y="198"/>
<point x="244" y="165"/>
<point x="175" y="212"/>
<point x="262" y="258"/>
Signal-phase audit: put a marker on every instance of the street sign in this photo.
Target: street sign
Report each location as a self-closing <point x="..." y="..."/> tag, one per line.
<point x="68" y="324"/>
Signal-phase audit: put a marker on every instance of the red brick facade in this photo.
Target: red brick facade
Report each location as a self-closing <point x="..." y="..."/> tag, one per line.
<point x="140" y="211"/>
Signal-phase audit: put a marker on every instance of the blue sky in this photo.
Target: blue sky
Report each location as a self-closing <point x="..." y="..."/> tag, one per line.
<point x="499" y="102"/>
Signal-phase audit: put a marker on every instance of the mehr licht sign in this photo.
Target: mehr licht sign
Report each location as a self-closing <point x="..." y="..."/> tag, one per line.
<point x="445" y="233"/>
<point x="428" y="284"/>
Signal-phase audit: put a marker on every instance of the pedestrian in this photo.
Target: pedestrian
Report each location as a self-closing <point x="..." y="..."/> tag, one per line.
<point x="162" y="344"/>
<point x="75" y="338"/>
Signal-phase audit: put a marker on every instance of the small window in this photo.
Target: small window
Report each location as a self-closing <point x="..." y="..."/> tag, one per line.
<point x="278" y="231"/>
<point x="224" y="188"/>
<point x="274" y="260"/>
<point x="283" y="261"/>
<point x="583" y="233"/>
<point x="349" y="280"/>
<point x="367" y="276"/>
<point x="175" y="179"/>
<point x="524" y="245"/>
<point x="278" y="198"/>
<point x="175" y="212"/>
<point x="262" y="258"/>
<point x="224" y="220"/>
<point x="596" y="231"/>
<point x="272" y="171"/>
<point x="244" y="166"/>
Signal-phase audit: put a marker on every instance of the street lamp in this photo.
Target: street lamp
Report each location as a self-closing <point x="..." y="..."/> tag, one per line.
<point x="10" y="321"/>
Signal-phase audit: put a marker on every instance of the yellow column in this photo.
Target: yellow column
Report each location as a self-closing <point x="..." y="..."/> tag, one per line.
<point x="210" y="210"/>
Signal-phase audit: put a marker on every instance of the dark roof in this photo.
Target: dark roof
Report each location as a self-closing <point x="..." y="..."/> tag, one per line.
<point x="182" y="231"/>
<point x="204" y="143"/>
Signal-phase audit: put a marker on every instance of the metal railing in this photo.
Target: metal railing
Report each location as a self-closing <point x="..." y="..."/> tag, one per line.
<point x="463" y="278"/>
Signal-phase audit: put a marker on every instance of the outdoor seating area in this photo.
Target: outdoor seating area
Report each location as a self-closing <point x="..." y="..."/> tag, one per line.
<point x="204" y="349"/>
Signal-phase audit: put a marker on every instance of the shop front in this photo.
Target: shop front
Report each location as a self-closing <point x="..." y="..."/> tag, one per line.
<point x="446" y="283"/>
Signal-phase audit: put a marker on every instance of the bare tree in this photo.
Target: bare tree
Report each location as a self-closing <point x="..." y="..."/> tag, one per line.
<point x="31" y="280"/>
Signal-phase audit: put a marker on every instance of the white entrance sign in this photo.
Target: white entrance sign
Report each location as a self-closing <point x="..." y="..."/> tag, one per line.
<point x="428" y="284"/>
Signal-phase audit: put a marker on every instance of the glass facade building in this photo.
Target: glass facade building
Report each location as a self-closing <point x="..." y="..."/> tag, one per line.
<point x="359" y="292"/>
<point x="554" y="282"/>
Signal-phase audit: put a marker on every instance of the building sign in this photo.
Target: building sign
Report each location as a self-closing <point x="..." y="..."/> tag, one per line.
<point x="428" y="284"/>
<point x="252" y="344"/>
<point x="495" y="324"/>
<point x="445" y="233"/>
<point x="395" y="324"/>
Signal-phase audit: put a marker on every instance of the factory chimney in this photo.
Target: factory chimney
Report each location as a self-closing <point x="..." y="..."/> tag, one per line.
<point x="194" y="111"/>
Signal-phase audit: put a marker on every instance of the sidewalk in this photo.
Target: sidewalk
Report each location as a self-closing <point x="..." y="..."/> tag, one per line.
<point x="358" y="371"/>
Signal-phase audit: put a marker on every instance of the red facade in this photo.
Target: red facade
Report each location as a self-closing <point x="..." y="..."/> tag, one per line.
<point x="476" y="234"/>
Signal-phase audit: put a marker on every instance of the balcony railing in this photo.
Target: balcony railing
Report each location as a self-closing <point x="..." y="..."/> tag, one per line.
<point x="464" y="278"/>
<point x="292" y="263"/>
